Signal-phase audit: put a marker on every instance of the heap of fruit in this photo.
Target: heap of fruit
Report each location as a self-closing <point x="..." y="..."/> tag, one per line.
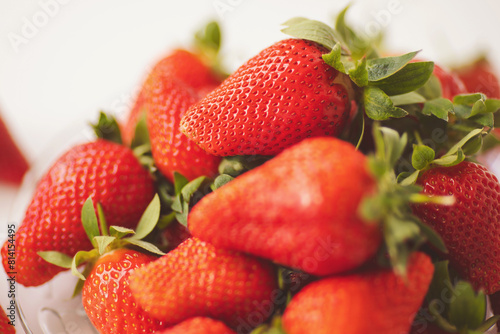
<point x="320" y="188"/>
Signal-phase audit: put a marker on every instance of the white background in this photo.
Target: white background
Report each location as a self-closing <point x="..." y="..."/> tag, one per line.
<point x="63" y="61"/>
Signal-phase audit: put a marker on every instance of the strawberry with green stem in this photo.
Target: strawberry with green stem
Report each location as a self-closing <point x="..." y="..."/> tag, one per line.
<point x="107" y="171"/>
<point x="6" y="324"/>
<point x="325" y="214"/>
<point x="104" y="284"/>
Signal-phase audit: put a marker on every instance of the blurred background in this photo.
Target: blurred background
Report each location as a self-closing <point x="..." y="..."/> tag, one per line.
<point x="61" y="61"/>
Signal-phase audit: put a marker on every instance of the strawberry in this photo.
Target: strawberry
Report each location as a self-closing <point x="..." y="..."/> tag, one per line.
<point x="13" y="164"/>
<point x="470" y="227"/>
<point x="370" y="301"/>
<point x="108" y="172"/>
<point x="174" y="234"/>
<point x="299" y="209"/>
<point x="180" y="65"/>
<point x="282" y="95"/>
<point x="480" y="76"/>
<point x="166" y="102"/>
<point x="198" y="325"/>
<point x="198" y="279"/>
<point x="107" y="299"/>
<point x="6" y="325"/>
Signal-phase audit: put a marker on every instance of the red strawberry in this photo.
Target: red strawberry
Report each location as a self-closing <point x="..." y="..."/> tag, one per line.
<point x="299" y="209"/>
<point x="373" y="301"/>
<point x="13" y="165"/>
<point x="451" y="85"/>
<point x="197" y="279"/>
<point x="470" y="228"/>
<point x="6" y="326"/>
<point x="166" y="102"/>
<point x="107" y="299"/>
<point x="174" y="234"/>
<point x="284" y="94"/>
<point x="108" y="172"/>
<point x="480" y="77"/>
<point x="181" y="66"/>
<point x="198" y="325"/>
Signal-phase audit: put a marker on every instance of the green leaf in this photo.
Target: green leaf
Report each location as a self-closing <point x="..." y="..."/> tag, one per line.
<point x="57" y="258"/>
<point x="221" y="180"/>
<point x="179" y="182"/>
<point x="468" y="99"/>
<point x="102" y="242"/>
<point x="209" y="38"/>
<point x="397" y="232"/>
<point x="89" y="220"/>
<point x="408" y="98"/>
<point x="189" y="189"/>
<point x="107" y="128"/>
<point x="148" y="219"/>
<point x="165" y="220"/>
<point x="411" y="77"/>
<point x="394" y="145"/>
<point x="439" y="107"/>
<point x="102" y="219"/>
<point x="382" y="68"/>
<point x="422" y="156"/>
<point x="119" y="231"/>
<point x="450" y="160"/>
<point x="407" y="178"/>
<point x="492" y="105"/>
<point x="141" y="133"/>
<point x="310" y="30"/>
<point x="145" y="245"/>
<point x="378" y="106"/>
<point x="484" y="120"/>
<point x="470" y="136"/>
<point x="467" y="310"/>
<point x="334" y="58"/>
<point x="359" y="74"/>
<point x="431" y="89"/>
<point x="82" y="257"/>
<point x="357" y="45"/>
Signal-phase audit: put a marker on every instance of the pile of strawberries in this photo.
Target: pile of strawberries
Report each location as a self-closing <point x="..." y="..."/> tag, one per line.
<point x="320" y="188"/>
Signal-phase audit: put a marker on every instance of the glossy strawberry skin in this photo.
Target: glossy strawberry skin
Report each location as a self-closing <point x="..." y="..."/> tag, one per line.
<point x="470" y="228"/>
<point x="5" y="323"/>
<point x="283" y="95"/>
<point x="480" y="77"/>
<point x="199" y="325"/>
<point x="300" y="209"/>
<point x="198" y="280"/>
<point x="180" y="65"/>
<point x="109" y="173"/>
<point x="107" y="299"/>
<point x="372" y="301"/>
<point x="13" y="164"/>
<point x="166" y="102"/>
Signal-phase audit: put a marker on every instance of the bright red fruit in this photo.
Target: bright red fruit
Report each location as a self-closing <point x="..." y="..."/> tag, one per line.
<point x="181" y="66"/>
<point x="108" y="172"/>
<point x="371" y="301"/>
<point x="5" y="325"/>
<point x="199" y="325"/>
<point x="13" y="164"/>
<point x="107" y="299"/>
<point x="451" y="84"/>
<point x="480" y="77"/>
<point x="166" y="102"/>
<point x="470" y="228"/>
<point x="284" y="94"/>
<point x="299" y="209"/>
<point x="199" y="280"/>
